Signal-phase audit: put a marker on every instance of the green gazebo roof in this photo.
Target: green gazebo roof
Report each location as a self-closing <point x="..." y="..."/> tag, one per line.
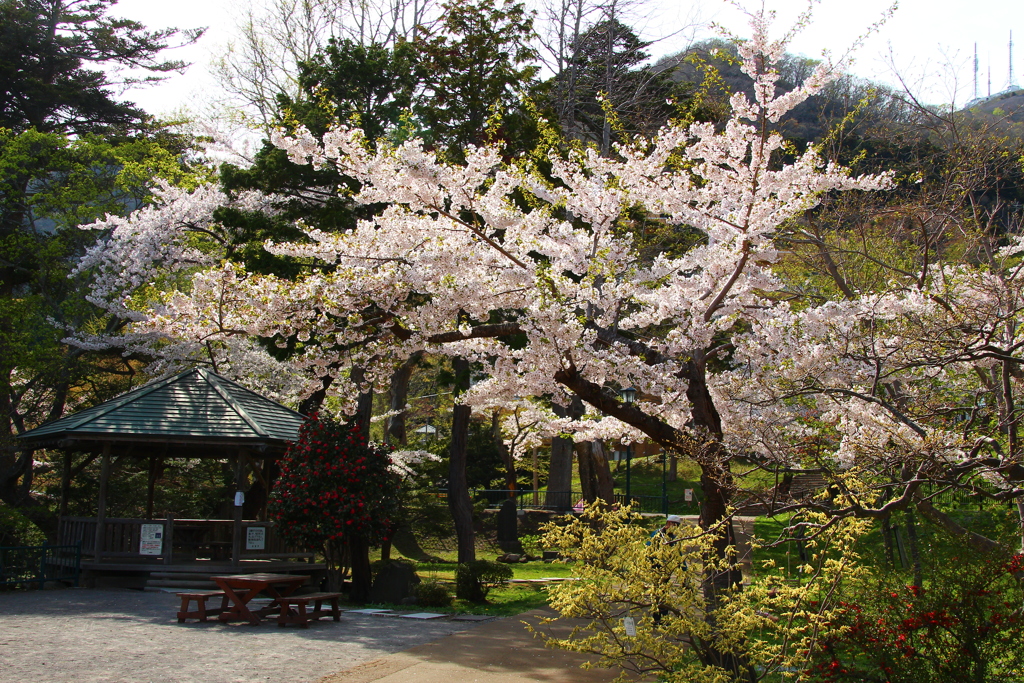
<point x="192" y="408"/>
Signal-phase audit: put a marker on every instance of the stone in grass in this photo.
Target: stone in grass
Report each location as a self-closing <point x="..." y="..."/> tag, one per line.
<point x="509" y="558"/>
<point x="394" y="583"/>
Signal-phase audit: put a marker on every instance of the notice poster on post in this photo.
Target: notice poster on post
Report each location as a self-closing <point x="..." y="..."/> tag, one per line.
<point x="151" y="539"/>
<point x="256" y="538"/>
<point x="688" y="495"/>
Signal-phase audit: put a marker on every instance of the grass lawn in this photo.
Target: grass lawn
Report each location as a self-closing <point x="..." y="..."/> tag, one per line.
<point x="527" y="570"/>
<point x="501" y="602"/>
<point x="994" y="521"/>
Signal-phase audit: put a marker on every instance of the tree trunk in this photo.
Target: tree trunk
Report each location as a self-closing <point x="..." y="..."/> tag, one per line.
<point x="364" y="403"/>
<point x="588" y="478"/>
<point x="1020" y="520"/>
<point x="915" y="548"/>
<point x="673" y="467"/>
<point x="362" y="580"/>
<point x="605" y="486"/>
<point x="887" y="541"/>
<point x="312" y="403"/>
<point x="394" y="431"/>
<point x="559" y="495"/>
<point x="560" y="475"/>
<point x="334" y="556"/>
<point x="511" y="481"/>
<point x="458" y="489"/>
<point x="716" y="486"/>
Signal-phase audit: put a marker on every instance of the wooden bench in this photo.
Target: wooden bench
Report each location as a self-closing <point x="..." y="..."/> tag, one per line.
<point x="300" y="616"/>
<point x="201" y="609"/>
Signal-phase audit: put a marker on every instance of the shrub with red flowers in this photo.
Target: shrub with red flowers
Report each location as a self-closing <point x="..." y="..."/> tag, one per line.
<point x="336" y="493"/>
<point x="964" y="624"/>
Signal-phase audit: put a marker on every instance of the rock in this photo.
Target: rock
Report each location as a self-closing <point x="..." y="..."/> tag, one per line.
<point x="524" y="558"/>
<point x="509" y="558"/>
<point x="411" y="600"/>
<point x="550" y="555"/>
<point x="394" y="583"/>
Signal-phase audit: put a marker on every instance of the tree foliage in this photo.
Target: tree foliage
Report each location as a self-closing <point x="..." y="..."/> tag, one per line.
<point x="647" y="609"/>
<point x="57" y="59"/>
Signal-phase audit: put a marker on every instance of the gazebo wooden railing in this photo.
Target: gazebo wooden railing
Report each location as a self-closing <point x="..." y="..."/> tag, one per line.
<point x="182" y="540"/>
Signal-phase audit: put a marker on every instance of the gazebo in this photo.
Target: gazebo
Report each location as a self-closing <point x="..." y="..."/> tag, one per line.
<point x="195" y="414"/>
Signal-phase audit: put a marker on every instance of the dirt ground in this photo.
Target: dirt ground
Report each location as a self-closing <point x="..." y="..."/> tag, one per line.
<point x="124" y="636"/>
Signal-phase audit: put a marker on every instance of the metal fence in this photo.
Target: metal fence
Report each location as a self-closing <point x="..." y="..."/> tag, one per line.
<point x="573" y="500"/>
<point x="39" y="564"/>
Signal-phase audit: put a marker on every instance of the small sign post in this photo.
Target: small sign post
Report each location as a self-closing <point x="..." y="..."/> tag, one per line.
<point x="688" y="495"/>
<point x="151" y="539"/>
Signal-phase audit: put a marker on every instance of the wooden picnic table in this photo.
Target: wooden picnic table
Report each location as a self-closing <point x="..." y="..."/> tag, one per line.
<point x="241" y="588"/>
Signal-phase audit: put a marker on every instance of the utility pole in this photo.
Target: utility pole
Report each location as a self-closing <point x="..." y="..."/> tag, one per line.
<point x="975" y="71"/>
<point x="1009" y="84"/>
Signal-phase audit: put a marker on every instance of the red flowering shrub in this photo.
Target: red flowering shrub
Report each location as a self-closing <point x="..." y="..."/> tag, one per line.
<point x="334" y="487"/>
<point x="965" y="624"/>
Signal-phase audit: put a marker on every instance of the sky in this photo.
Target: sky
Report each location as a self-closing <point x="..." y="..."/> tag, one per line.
<point x="927" y="44"/>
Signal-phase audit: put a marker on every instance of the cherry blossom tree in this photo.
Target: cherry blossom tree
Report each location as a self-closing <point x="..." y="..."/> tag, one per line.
<point x="465" y="255"/>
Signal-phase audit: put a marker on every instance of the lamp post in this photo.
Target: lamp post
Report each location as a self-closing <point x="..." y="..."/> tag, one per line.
<point x="628" y="397"/>
<point x="664" y="489"/>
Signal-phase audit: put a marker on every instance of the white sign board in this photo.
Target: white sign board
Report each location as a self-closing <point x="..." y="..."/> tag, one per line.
<point x="256" y="538"/>
<point x="688" y="495"/>
<point x="151" y="539"/>
<point x="630" y="627"/>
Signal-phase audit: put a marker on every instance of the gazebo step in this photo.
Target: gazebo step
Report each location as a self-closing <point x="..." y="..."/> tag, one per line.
<point x="179" y="583"/>
<point x="185" y="575"/>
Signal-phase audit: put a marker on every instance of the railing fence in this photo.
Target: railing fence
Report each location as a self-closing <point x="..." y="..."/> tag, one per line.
<point x="39" y="564"/>
<point x="569" y="501"/>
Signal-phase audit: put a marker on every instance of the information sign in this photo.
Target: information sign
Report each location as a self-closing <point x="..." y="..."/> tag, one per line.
<point x="151" y="539"/>
<point x="256" y="538"/>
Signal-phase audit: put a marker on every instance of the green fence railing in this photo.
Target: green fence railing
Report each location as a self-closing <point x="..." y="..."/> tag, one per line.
<point x="39" y="564"/>
<point x="572" y="500"/>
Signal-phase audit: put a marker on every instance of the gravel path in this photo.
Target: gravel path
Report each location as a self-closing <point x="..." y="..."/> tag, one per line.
<point x="123" y="636"/>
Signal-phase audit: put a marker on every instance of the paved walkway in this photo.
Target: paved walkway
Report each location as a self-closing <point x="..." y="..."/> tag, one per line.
<point x="124" y="636"/>
<point x="498" y="651"/>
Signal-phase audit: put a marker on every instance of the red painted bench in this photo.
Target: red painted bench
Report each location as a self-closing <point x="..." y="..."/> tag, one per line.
<point x="300" y="616"/>
<point x="200" y="598"/>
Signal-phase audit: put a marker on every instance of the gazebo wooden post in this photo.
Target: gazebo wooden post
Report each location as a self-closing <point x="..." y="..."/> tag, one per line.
<point x="101" y="508"/>
<point x="151" y="486"/>
<point x="265" y="478"/>
<point x="65" y="483"/>
<point x="168" y="539"/>
<point x="236" y="533"/>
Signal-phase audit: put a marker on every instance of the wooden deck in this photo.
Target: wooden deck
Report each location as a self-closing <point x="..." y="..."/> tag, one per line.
<point x="152" y="574"/>
<point x="204" y="566"/>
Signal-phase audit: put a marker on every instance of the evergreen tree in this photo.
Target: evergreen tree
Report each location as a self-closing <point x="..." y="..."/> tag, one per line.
<point x="57" y="59"/>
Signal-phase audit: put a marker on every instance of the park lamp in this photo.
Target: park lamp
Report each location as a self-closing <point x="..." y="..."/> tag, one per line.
<point x="628" y="395"/>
